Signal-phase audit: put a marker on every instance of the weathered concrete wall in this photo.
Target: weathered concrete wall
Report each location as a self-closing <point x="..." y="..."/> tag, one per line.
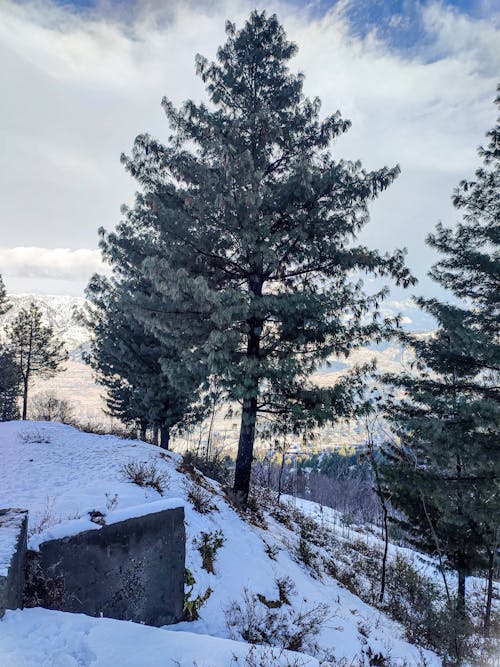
<point x="13" y="538"/>
<point x="130" y="570"/>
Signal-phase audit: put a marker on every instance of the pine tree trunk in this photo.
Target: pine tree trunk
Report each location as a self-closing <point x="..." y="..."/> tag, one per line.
<point x="25" y="400"/>
<point x="244" y="458"/>
<point x="243" y="469"/>
<point x="280" y="476"/>
<point x="461" y="591"/>
<point x="164" y="437"/>
<point x="155" y="434"/>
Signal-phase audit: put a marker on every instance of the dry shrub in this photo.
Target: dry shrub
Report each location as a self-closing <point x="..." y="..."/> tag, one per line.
<point x="251" y="512"/>
<point x="145" y="474"/>
<point x="213" y="466"/>
<point x="47" y="406"/>
<point x="257" y="620"/>
<point x="40" y="590"/>
<point x="97" y="428"/>
<point x="201" y="499"/>
<point x="35" y="436"/>
<point x="270" y="657"/>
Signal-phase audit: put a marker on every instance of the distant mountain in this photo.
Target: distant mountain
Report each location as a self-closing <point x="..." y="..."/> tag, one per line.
<point x="77" y="383"/>
<point x="61" y="312"/>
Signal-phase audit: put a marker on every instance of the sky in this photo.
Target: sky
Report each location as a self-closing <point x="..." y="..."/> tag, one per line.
<point x="79" y="80"/>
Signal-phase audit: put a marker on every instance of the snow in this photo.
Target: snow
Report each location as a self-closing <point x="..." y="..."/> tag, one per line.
<point x="43" y="638"/>
<point x="72" y="473"/>
<point x="10" y="528"/>
<point x="423" y="563"/>
<point x="69" y="474"/>
<point x="75" y="526"/>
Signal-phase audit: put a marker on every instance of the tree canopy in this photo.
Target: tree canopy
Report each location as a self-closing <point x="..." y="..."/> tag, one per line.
<point x="444" y="474"/>
<point x="246" y="227"/>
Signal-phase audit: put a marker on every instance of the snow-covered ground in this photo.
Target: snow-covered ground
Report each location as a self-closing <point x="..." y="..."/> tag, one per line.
<point x="44" y="638"/>
<point x="60" y="474"/>
<point x="333" y="521"/>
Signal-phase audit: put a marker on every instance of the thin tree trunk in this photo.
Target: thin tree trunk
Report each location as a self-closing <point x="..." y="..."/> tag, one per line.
<point x="243" y="470"/>
<point x="438" y="548"/>
<point x="381" y="496"/>
<point x="280" y="476"/>
<point x="210" y="429"/>
<point x="489" y="594"/>
<point x="386" y="549"/>
<point x="441" y="569"/>
<point x="461" y="570"/>
<point x="461" y="591"/>
<point x="155" y="434"/>
<point x="164" y="437"/>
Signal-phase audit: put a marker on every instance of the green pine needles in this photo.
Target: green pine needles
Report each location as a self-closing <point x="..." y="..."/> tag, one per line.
<point x="244" y="231"/>
<point x="444" y="473"/>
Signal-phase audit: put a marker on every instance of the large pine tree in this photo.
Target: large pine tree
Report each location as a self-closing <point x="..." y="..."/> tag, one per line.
<point x="445" y="472"/>
<point x="34" y="349"/>
<point x="255" y="225"/>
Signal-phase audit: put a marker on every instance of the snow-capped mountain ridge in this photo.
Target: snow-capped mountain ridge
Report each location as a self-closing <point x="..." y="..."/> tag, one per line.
<point x="60" y="312"/>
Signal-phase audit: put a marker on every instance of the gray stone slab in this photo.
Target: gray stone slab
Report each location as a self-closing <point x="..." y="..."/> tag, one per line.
<point x="130" y="570"/>
<point x="13" y="544"/>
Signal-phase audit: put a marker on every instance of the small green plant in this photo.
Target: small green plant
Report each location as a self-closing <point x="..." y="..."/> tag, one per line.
<point x="304" y="552"/>
<point x="208" y="544"/>
<point x="411" y="599"/>
<point x="192" y="605"/>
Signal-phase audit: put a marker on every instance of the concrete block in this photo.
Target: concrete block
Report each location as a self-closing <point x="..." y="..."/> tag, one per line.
<point x="13" y="545"/>
<point x="130" y="570"/>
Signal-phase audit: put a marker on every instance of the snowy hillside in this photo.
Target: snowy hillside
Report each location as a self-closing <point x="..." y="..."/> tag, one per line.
<point x="61" y="474"/>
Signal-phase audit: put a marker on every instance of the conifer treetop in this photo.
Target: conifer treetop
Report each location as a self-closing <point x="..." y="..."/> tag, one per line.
<point x="4" y="300"/>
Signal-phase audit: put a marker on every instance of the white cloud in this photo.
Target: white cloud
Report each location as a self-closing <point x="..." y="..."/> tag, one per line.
<point x="77" y="89"/>
<point x="52" y="263"/>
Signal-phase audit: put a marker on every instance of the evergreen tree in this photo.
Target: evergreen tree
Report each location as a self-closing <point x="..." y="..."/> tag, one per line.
<point x="33" y="348"/>
<point x="255" y="226"/>
<point x="9" y="380"/>
<point x="4" y="300"/>
<point x="145" y="381"/>
<point x="9" y="387"/>
<point x="445" y="472"/>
